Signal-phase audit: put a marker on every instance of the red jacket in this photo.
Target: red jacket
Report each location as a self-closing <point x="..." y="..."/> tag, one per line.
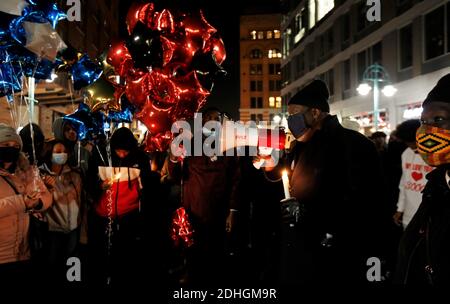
<point x="123" y="196"/>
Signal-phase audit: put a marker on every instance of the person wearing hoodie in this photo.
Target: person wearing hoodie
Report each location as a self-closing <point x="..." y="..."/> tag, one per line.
<point x="21" y="193"/>
<point x="64" y="216"/>
<point x="120" y="193"/>
<point x="33" y="148"/>
<point x="64" y="131"/>
<point x="424" y="251"/>
<point x="413" y="178"/>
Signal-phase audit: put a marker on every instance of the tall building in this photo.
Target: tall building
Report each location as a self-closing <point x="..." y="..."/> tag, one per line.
<point x="334" y="40"/>
<point x="99" y="24"/>
<point x="260" y="73"/>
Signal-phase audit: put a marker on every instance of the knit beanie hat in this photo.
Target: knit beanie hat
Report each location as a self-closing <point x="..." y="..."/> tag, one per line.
<point x="313" y="95"/>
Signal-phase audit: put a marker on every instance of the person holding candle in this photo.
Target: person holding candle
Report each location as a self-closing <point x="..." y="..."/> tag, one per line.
<point x="336" y="208"/>
<point x="121" y="192"/>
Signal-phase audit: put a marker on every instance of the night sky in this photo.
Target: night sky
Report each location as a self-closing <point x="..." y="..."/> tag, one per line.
<point x="224" y="16"/>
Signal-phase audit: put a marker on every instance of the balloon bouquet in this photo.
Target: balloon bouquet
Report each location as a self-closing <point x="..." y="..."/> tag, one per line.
<point x="169" y="63"/>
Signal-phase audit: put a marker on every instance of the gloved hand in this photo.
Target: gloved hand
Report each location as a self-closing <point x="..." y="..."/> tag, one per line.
<point x="291" y="210"/>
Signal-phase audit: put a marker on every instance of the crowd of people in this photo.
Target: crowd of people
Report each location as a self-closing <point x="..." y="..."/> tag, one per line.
<point x="352" y="198"/>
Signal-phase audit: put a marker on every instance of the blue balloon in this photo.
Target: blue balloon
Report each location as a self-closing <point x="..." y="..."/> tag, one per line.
<point x="27" y="63"/>
<point x="123" y="116"/>
<point x="9" y="82"/>
<point x="85" y="122"/>
<point x="85" y="72"/>
<point x="43" y="11"/>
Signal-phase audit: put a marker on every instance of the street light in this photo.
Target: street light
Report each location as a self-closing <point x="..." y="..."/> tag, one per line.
<point x="375" y="74"/>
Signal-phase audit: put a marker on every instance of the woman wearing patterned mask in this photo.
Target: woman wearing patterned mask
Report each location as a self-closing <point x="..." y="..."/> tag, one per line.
<point x="424" y="253"/>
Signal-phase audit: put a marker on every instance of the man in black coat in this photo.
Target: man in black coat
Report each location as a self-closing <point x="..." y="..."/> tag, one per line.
<point x="424" y="252"/>
<point x="336" y="183"/>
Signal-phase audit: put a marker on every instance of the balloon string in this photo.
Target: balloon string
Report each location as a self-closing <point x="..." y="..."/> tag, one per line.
<point x="71" y="92"/>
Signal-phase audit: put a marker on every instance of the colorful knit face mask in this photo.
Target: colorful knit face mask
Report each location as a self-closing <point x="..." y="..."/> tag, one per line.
<point x="433" y="144"/>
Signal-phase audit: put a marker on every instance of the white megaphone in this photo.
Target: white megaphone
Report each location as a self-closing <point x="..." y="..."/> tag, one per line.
<point x="238" y="135"/>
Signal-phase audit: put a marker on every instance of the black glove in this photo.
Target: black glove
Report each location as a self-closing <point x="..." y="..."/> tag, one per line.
<point x="291" y="210"/>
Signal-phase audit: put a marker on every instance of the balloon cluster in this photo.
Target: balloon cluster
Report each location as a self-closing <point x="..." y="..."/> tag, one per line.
<point x="28" y="41"/>
<point x="169" y="64"/>
<point x="181" y="229"/>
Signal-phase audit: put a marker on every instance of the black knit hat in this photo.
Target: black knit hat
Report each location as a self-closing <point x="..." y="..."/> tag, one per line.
<point x="314" y="95"/>
<point x="441" y="92"/>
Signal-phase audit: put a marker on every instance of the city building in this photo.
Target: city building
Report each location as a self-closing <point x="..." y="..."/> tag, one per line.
<point x="334" y="40"/>
<point x="260" y="73"/>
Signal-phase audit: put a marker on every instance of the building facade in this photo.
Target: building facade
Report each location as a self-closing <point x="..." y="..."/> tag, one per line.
<point x="260" y="68"/>
<point x="333" y="40"/>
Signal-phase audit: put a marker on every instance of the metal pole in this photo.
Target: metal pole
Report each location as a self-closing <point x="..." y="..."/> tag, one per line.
<point x="376" y="100"/>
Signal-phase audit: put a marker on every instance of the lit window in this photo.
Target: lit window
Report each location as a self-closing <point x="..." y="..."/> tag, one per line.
<point x="312" y="13"/>
<point x="269" y="35"/>
<point x="272" y="102"/>
<point x="260" y="35"/>
<point x="323" y="7"/>
<point x="278" y="102"/>
<point x="274" y="53"/>
<point x="253" y="35"/>
<point x="276" y="34"/>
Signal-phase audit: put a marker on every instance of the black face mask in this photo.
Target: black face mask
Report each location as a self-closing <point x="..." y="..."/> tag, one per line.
<point x="297" y="124"/>
<point x="9" y="154"/>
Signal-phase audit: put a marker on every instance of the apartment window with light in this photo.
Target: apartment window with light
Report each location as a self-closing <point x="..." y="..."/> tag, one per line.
<point x="269" y="34"/>
<point x="435" y="33"/>
<point x="274" y="53"/>
<point x="253" y="35"/>
<point x="272" y="102"/>
<point x="276" y="34"/>
<point x="260" y="35"/>
<point x="278" y="102"/>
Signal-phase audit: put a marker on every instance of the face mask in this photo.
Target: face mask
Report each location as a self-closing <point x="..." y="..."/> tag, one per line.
<point x="433" y="145"/>
<point x="59" y="158"/>
<point x="297" y="124"/>
<point x="9" y="154"/>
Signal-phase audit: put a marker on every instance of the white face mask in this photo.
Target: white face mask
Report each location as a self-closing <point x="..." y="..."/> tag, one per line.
<point x="59" y="158"/>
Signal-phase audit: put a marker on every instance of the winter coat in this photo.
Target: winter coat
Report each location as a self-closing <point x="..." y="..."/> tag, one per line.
<point x="424" y="251"/>
<point x="64" y="215"/>
<point x="336" y="176"/>
<point x="14" y="219"/>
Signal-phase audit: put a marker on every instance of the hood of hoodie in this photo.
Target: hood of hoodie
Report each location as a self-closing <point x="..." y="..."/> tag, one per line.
<point x="58" y="128"/>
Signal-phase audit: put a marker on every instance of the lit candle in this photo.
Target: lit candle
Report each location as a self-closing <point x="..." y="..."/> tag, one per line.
<point x="286" y="184"/>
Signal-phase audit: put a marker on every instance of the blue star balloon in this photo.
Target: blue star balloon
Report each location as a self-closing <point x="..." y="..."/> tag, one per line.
<point x="85" y="72"/>
<point x="9" y="82"/>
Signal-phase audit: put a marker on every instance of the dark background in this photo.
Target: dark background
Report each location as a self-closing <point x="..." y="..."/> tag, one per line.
<point x="224" y="16"/>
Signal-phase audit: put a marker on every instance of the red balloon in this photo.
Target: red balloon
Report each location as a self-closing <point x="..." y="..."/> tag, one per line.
<point x="140" y="12"/>
<point x="197" y="29"/>
<point x="156" y="121"/>
<point x="163" y="21"/>
<point x="120" y="58"/>
<point x="137" y="90"/>
<point x="190" y="94"/>
<point x="159" y="142"/>
<point x="163" y="91"/>
<point x="216" y="46"/>
<point x="178" y="50"/>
